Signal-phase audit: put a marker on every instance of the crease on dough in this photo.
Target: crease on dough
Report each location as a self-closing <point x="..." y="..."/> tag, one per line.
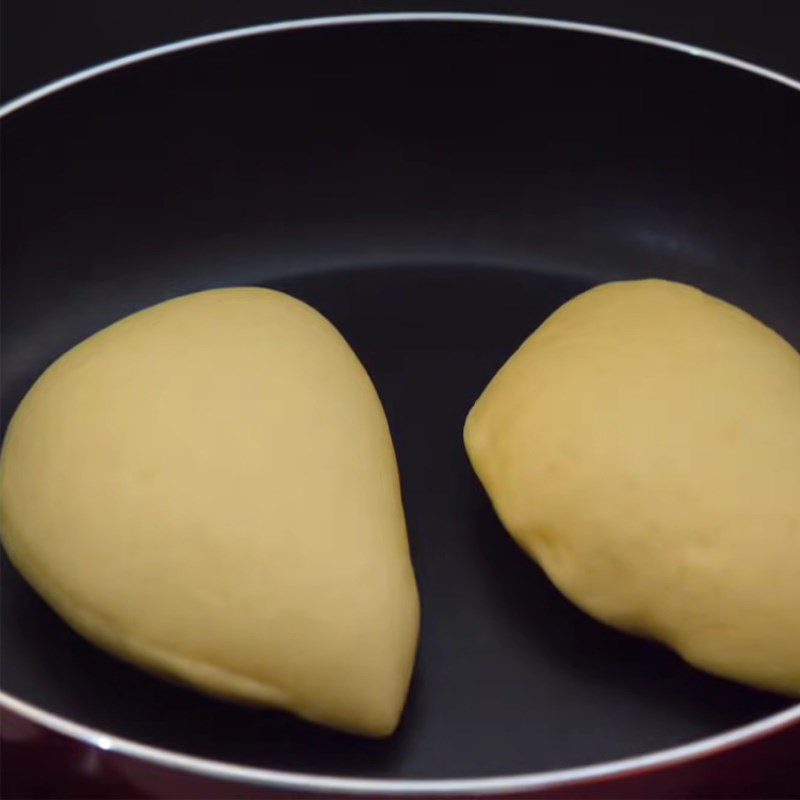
<point x="154" y="657"/>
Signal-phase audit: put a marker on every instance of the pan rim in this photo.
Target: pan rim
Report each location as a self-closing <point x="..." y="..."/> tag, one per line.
<point x="394" y="16"/>
<point x="495" y="785"/>
<point x="618" y="768"/>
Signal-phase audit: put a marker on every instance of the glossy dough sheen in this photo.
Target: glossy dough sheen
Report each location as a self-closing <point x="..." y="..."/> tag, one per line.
<point x="643" y="445"/>
<point x="208" y="488"/>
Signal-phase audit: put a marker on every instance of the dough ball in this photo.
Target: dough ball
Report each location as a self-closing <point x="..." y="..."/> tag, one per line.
<point x="643" y="445"/>
<point x="208" y="488"/>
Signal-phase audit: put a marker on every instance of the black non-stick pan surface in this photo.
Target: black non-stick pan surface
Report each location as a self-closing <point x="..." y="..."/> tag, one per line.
<point x="436" y="189"/>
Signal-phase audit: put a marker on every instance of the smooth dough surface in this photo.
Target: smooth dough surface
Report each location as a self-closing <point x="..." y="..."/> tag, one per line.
<point x="208" y="488"/>
<point x="643" y="445"/>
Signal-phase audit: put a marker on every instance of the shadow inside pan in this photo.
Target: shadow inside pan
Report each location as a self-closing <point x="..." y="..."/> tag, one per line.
<point x="436" y="205"/>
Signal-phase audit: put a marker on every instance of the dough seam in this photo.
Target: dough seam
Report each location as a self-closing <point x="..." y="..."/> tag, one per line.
<point x="152" y="656"/>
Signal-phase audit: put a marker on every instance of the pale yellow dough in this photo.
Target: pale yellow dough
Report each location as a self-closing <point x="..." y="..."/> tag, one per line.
<point x="643" y="445"/>
<point x="209" y="489"/>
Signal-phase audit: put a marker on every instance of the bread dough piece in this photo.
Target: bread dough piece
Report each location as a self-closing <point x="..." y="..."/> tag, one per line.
<point x="209" y="489"/>
<point x="643" y="445"/>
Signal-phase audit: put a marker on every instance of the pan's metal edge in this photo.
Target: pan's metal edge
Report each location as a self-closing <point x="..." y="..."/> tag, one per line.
<point x="364" y="786"/>
<point x="385" y="786"/>
<point x="421" y="16"/>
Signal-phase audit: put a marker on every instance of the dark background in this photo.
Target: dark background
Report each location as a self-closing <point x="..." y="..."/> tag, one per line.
<point x="46" y="39"/>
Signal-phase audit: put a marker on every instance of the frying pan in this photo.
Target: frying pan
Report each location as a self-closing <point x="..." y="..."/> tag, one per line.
<point x="436" y="184"/>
